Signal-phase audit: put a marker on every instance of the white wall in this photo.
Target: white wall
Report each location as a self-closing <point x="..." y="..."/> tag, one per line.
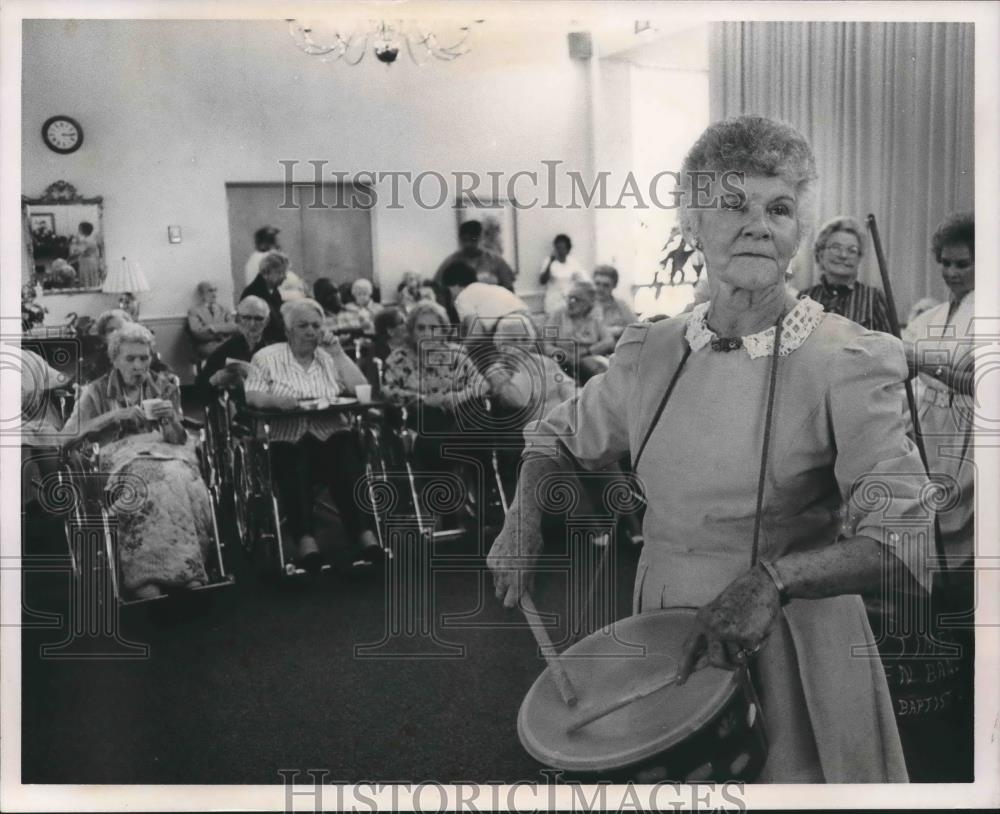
<point x="172" y="110"/>
<point x="657" y="104"/>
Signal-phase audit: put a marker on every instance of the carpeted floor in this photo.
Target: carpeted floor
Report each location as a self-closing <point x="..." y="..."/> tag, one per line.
<point x="247" y="680"/>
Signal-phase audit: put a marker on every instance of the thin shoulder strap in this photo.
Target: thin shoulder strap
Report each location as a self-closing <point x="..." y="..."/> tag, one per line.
<point x="659" y="409"/>
<point x="766" y="445"/>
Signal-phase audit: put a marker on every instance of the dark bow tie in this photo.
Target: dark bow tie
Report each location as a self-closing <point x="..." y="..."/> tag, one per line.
<point x="727" y="343"/>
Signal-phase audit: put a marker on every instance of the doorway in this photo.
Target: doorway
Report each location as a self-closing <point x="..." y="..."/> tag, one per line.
<point x="326" y="229"/>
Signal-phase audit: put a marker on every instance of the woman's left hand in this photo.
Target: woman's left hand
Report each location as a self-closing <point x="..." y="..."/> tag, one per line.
<point x="733" y="625"/>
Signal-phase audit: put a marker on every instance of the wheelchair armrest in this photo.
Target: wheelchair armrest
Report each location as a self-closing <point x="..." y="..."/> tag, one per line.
<point x="192" y="424"/>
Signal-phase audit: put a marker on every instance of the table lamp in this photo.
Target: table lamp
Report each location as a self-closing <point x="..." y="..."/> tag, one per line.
<point x="126" y="278"/>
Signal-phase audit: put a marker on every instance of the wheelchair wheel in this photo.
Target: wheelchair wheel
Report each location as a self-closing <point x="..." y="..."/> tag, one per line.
<point x="242" y="492"/>
<point x="253" y="516"/>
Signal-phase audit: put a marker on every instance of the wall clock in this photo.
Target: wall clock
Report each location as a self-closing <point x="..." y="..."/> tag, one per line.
<point x="62" y="134"/>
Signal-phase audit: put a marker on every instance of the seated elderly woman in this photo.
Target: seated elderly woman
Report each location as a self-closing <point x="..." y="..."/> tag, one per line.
<point x="579" y="337"/>
<point x="135" y="416"/>
<point x="364" y="309"/>
<point x="524" y="383"/>
<point x="431" y="376"/>
<point x="756" y="542"/>
<point x="209" y="322"/>
<point x="94" y="355"/>
<point x="390" y="333"/>
<point x="523" y="378"/>
<point x="839" y="249"/>
<point x="612" y="311"/>
<point x="307" y="450"/>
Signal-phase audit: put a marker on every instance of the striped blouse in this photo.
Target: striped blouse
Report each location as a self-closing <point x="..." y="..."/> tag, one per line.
<point x="274" y="371"/>
<point x="859" y="303"/>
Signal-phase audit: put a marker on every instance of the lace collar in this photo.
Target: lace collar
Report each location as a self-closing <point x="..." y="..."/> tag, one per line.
<point x="796" y="327"/>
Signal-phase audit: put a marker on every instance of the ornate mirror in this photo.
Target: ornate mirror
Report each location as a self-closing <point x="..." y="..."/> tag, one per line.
<point x="66" y="231"/>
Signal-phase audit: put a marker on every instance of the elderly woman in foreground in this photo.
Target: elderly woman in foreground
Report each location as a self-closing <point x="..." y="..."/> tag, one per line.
<point x="833" y="420"/>
<point x="839" y="249"/>
<point x="135" y="416"/>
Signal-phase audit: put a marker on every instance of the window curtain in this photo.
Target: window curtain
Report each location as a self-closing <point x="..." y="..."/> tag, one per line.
<point x="889" y="111"/>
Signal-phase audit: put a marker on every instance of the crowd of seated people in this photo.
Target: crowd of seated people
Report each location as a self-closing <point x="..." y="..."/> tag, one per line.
<point x="276" y="350"/>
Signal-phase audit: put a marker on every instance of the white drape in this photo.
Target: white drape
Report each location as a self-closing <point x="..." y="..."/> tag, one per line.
<point x="889" y="111"/>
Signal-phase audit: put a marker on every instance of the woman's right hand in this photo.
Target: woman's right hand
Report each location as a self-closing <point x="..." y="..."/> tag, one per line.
<point x="513" y="557"/>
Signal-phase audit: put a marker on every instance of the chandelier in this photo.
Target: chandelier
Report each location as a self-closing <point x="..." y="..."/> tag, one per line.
<point x="386" y="38"/>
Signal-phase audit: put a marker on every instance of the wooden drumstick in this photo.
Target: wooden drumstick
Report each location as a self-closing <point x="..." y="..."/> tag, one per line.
<point x="559" y="676"/>
<point x="624" y="701"/>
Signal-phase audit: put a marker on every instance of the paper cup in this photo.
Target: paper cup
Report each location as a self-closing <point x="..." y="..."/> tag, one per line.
<point x="363" y="392"/>
<point x="148" y="405"/>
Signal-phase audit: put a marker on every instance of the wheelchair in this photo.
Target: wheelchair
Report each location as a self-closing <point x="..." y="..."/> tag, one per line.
<point x="242" y="443"/>
<point x="453" y="501"/>
<point x="79" y="490"/>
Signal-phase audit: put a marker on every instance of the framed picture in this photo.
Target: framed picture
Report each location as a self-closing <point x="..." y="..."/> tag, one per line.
<point x="41" y="222"/>
<point x="499" y="220"/>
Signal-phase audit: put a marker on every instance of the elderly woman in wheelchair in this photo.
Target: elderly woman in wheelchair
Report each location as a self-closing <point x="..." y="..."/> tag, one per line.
<point x="163" y="508"/>
<point x="291" y="387"/>
<point x="431" y="380"/>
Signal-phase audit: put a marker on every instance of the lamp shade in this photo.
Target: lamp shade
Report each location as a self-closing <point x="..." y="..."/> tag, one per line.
<point x="125" y="276"/>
